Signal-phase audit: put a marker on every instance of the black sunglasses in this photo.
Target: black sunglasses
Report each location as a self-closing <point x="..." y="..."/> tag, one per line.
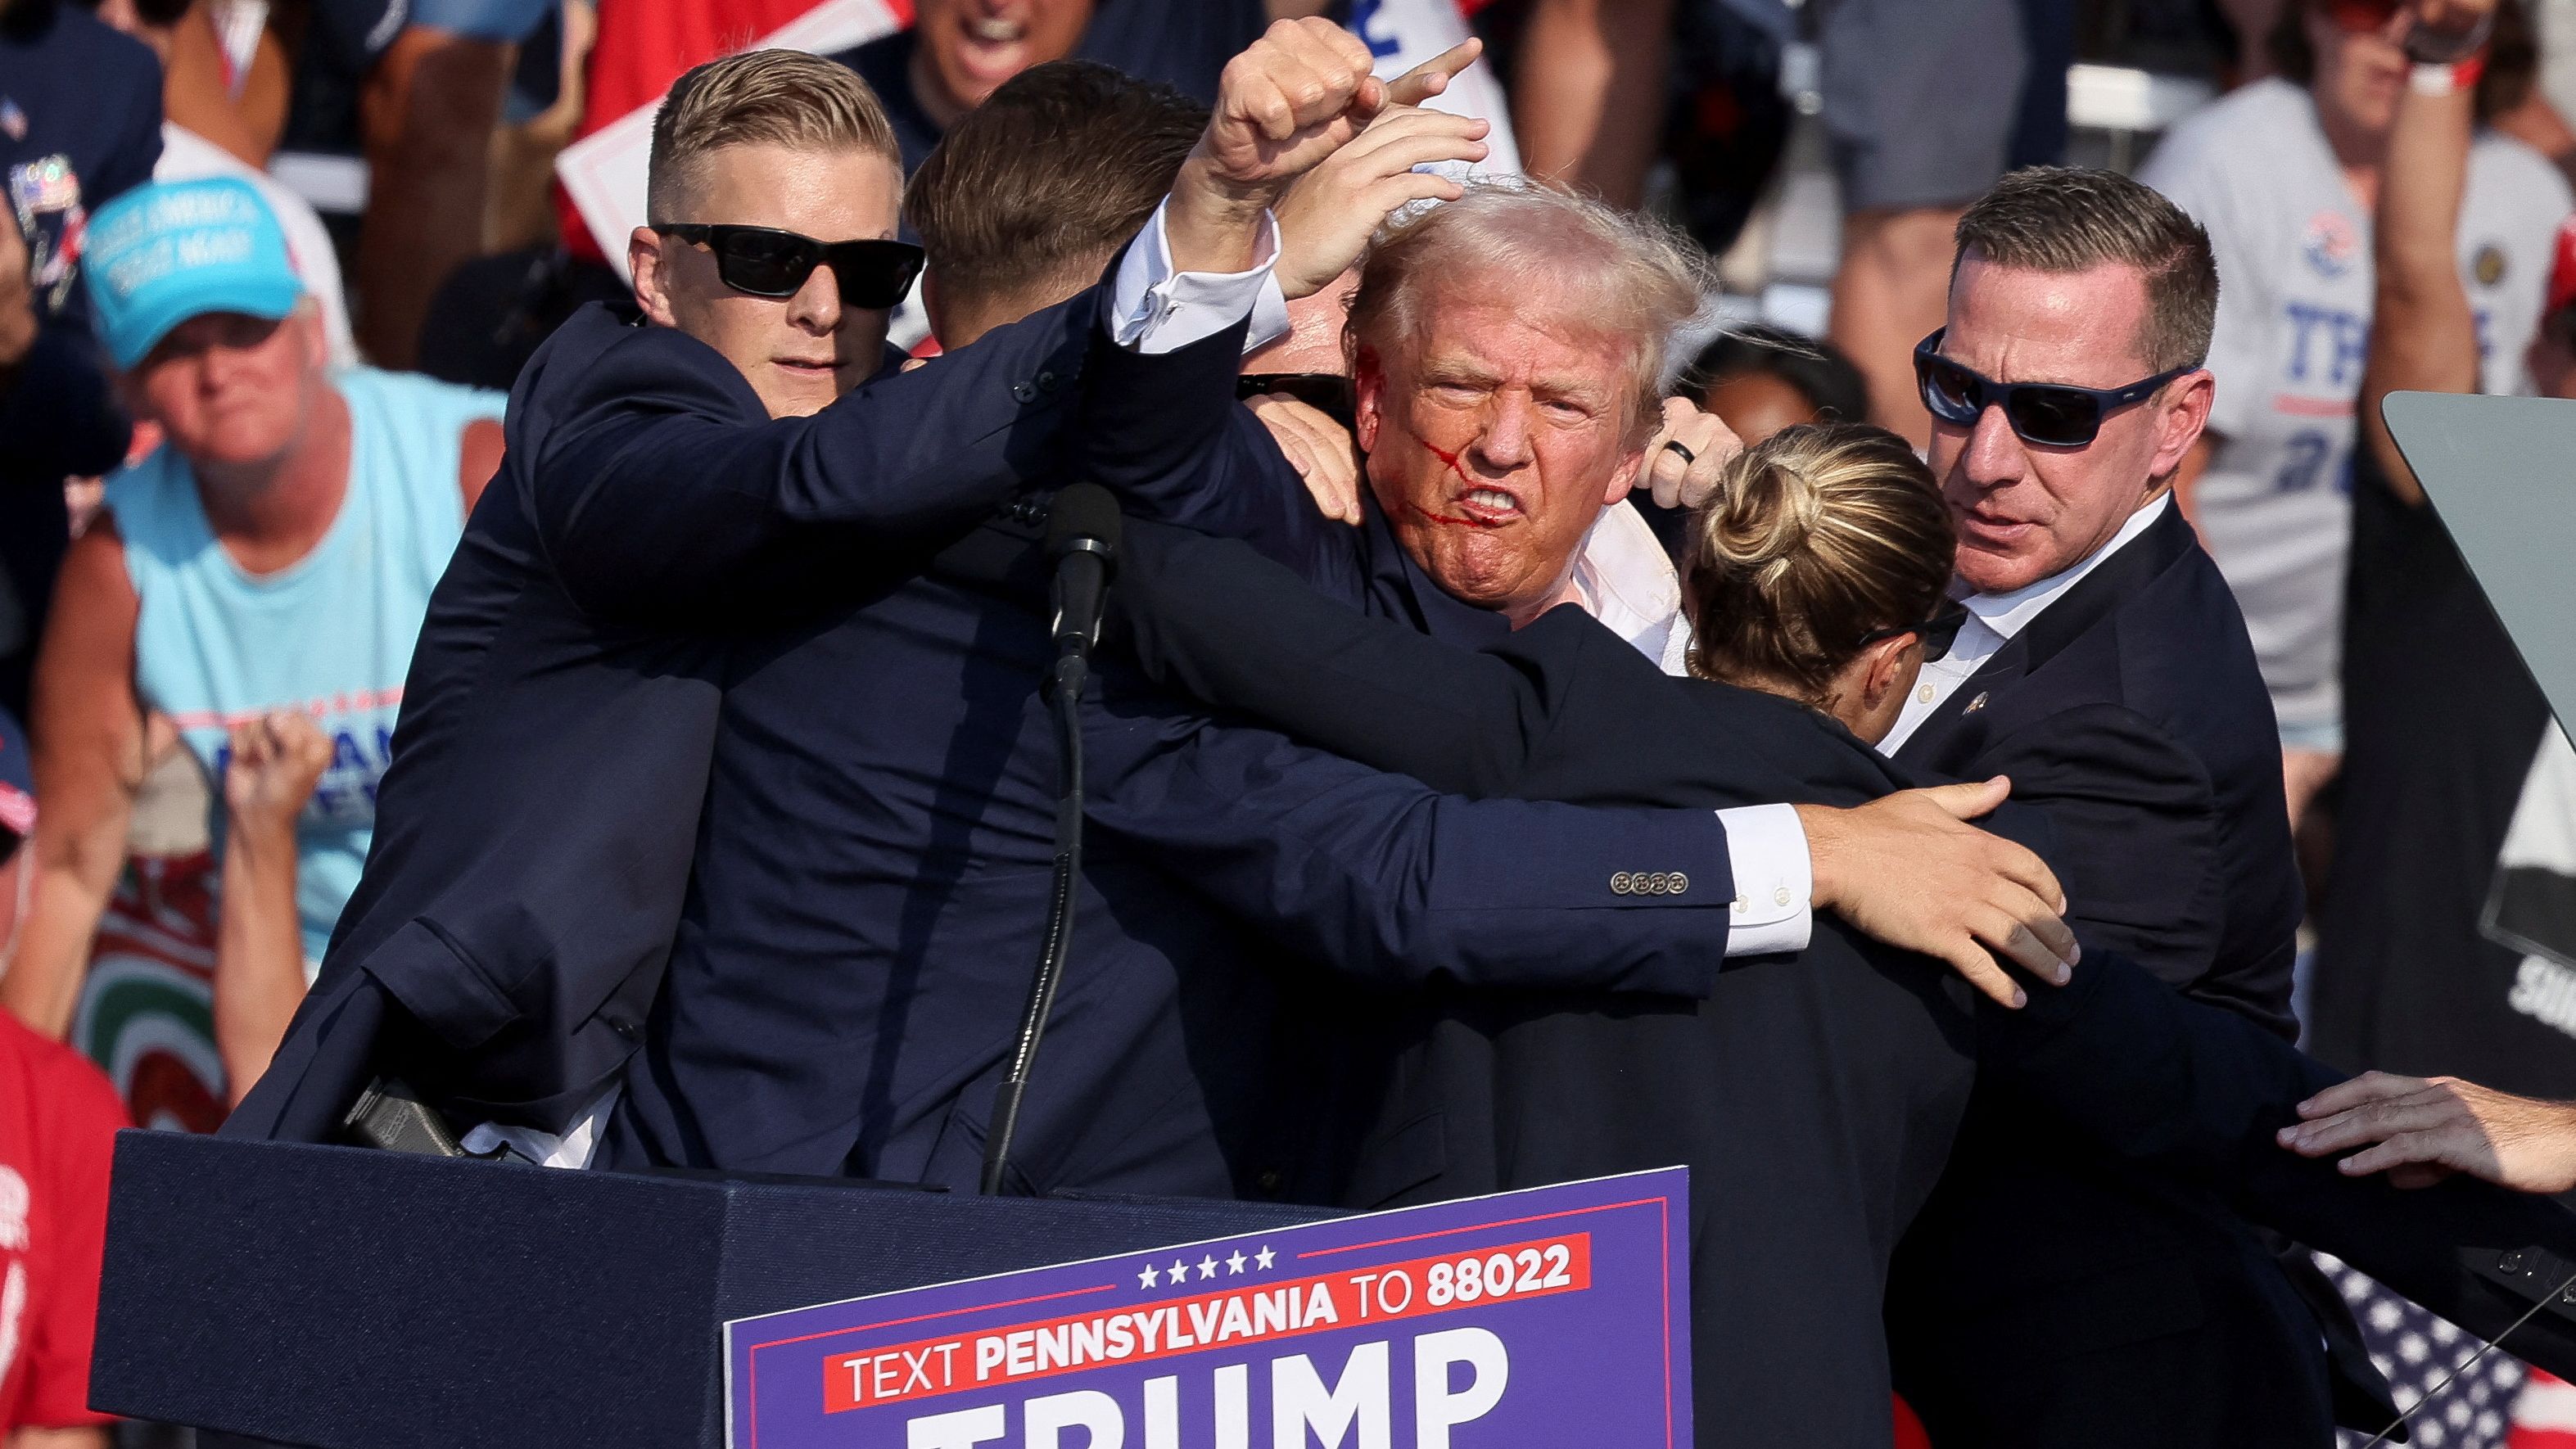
<point x="767" y="262"/>
<point x="1330" y="393"/>
<point x="2050" y="414"/>
<point x="1938" y="632"/>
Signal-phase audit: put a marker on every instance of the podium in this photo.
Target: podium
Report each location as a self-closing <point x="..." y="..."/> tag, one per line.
<point x="349" y="1299"/>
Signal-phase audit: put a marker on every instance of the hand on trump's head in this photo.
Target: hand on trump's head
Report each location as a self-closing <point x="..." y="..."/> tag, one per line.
<point x="1301" y="94"/>
<point x="1327" y="217"/>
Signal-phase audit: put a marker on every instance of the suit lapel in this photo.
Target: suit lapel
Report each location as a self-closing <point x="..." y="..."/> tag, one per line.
<point x="2118" y="578"/>
<point x="1955" y="733"/>
<point x="1949" y="741"/>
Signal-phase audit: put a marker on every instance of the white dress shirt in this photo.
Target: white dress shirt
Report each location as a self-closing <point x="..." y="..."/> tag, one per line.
<point x="1626" y="580"/>
<point x="1155" y="310"/>
<point x="1993" y="619"/>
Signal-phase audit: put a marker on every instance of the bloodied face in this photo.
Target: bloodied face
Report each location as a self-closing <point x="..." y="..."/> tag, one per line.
<point x="1497" y="430"/>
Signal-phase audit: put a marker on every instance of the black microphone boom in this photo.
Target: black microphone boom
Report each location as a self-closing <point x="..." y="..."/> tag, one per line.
<point x="1082" y="539"/>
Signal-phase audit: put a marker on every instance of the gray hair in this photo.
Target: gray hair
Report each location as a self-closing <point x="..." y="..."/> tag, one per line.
<point x="1641" y="279"/>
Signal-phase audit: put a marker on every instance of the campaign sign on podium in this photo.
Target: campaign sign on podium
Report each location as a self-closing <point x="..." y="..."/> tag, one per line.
<point x="1559" y="1315"/>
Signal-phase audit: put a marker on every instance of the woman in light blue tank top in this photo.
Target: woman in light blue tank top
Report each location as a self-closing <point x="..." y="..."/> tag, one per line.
<point x="330" y="635"/>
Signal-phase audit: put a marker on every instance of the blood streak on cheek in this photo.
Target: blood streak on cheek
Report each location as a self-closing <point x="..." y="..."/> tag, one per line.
<point x="1427" y="516"/>
<point x="1451" y="459"/>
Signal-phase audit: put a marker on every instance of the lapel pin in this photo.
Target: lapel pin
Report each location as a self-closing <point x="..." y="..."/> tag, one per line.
<point x="1975" y="704"/>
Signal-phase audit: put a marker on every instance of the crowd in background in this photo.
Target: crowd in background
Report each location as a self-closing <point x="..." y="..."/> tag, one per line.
<point x="217" y="541"/>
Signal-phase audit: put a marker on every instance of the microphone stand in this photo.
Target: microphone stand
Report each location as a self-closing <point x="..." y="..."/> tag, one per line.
<point x="1064" y="698"/>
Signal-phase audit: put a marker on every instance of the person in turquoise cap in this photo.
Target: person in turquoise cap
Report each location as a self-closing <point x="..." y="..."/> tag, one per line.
<point x="258" y="580"/>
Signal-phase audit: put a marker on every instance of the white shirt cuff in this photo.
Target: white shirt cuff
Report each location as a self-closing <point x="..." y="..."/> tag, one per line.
<point x="1155" y="309"/>
<point x="1775" y="880"/>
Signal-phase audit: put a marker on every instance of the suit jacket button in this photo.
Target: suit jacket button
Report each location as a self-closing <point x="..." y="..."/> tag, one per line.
<point x="1270" y="1180"/>
<point x="1046" y="382"/>
<point x="1024" y="392"/>
<point x="1619" y="884"/>
<point x="1681" y="883"/>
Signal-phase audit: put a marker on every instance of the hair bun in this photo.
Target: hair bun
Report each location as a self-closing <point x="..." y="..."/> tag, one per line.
<point x="1816" y="535"/>
<point x="1762" y="517"/>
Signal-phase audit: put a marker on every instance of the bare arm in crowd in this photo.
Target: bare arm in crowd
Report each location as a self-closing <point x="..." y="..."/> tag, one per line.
<point x="2423" y="337"/>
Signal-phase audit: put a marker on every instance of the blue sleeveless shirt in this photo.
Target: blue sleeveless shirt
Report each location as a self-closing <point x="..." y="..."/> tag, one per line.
<point x="330" y="635"/>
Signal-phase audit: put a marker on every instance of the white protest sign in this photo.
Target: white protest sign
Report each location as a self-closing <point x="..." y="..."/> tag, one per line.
<point x="1404" y="33"/>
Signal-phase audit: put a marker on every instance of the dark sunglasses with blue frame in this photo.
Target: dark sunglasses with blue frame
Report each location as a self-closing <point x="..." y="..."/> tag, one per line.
<point x="767" y="262"/>
<point x="2049" y="414"/>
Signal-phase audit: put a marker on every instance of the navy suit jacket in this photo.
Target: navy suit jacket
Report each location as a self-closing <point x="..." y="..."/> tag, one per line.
<point x="2131" y="710"/>
<point x="874" y="868"/>
<point x="1814" y="1096"/>
<point x="535" y="829"/>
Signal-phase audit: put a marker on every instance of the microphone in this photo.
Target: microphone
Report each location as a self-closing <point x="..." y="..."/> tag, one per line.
<point x="1082" y="539"/>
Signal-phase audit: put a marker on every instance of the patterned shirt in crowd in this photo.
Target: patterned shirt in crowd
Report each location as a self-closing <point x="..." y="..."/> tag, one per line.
<point x="2294" y="302"/>
<point x="331" y="634"/>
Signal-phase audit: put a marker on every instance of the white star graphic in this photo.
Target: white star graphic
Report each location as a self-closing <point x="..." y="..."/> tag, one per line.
<point x="1149" y="1277"/>
<point x="1180" y="1271"/>
<point x="1263" y="1257"/>
<point x="1207" y="1266"/>
<point x="1234" y="1265"/>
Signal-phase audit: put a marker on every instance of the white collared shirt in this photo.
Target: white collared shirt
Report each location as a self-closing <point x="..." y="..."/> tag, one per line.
<point x="1993" y="619"/>
<point x="1624" y="578"/>
<point x="1155" y="310"/>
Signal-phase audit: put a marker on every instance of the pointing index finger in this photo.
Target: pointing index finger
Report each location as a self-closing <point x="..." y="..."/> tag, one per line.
<point x="1433" y="76"/>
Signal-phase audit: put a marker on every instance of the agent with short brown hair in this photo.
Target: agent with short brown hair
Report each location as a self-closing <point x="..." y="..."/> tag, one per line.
<point x="1026" y="198"/>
